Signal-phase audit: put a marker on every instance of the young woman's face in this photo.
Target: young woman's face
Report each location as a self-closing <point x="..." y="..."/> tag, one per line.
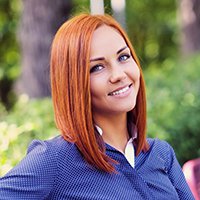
<point x="114" y="75"/>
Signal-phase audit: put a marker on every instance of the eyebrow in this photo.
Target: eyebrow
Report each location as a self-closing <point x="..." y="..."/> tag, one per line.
<point x="96" y="59"/>
<point x="122" y="49"/>
<point x="102" y="58"/>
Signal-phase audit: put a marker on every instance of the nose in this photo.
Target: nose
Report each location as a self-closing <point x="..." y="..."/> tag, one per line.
<point x="117" y="74"/>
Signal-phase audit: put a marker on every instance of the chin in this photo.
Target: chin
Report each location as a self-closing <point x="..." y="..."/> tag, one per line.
<point x="130" y="108"/>
<point x="131" y="105"/>
<point x="126" y="108"/>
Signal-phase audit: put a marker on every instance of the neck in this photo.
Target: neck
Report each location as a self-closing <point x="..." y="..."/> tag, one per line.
<point x="114" y="128"/>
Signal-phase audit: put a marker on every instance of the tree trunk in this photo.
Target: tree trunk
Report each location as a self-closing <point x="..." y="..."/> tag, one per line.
<point x="39" y="21"/>
<point x="190" y="25"/>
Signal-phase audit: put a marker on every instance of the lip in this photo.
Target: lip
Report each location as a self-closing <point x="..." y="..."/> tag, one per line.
<point x="120" y="88"/>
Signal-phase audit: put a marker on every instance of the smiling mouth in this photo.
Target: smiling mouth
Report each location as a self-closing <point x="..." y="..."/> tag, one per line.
<point x="118" y="92"/>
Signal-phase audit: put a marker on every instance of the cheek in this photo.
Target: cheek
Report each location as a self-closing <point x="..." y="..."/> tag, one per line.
<point x="137" y="74"/>
<point x="95" y="87"/>
<point x="134" y="73"/>
<point x="137" y="78"/>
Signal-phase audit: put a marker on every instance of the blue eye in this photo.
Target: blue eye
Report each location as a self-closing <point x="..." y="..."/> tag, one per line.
<point x="96" y="68"/>
<point x="123" y="57"/>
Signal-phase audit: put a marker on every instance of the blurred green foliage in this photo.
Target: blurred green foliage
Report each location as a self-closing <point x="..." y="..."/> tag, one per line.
<point x="173" y="94"/>
<point x="29" y="119"/>
<point x="153" y="29"/>
<point x="84" y="6"/>
<point x="9" y="50"/>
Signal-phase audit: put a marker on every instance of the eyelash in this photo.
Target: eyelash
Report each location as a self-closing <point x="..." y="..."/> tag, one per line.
<point x="122" y="56"/>
<point x="96" y="68"/>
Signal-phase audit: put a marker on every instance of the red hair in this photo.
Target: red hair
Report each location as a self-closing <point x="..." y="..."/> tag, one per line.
<point x="70" y="84"/>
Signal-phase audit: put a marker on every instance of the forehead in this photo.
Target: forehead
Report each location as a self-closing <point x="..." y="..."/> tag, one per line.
<point x="106" y="39"/>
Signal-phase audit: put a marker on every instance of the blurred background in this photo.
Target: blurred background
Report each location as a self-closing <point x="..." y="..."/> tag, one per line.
<point x="166" y="37"/>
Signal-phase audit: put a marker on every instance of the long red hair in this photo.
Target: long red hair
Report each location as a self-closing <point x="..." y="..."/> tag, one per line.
<point x="70" y="84"/>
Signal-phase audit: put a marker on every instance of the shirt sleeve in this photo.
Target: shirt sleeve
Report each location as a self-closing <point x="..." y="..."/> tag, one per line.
<point x="33" y="177"/>
<point x="177" y="177"/>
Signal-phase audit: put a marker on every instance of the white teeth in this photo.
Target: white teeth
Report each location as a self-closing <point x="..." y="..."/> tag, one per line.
<point x="120" y="91"/>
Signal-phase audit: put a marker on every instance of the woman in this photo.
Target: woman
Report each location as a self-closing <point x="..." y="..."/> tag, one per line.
<point x="99" y="102"/>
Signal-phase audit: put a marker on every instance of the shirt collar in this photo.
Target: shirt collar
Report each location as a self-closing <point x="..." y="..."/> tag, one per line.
<point x="133" y="131"/>
<point x="99" y="130"/>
